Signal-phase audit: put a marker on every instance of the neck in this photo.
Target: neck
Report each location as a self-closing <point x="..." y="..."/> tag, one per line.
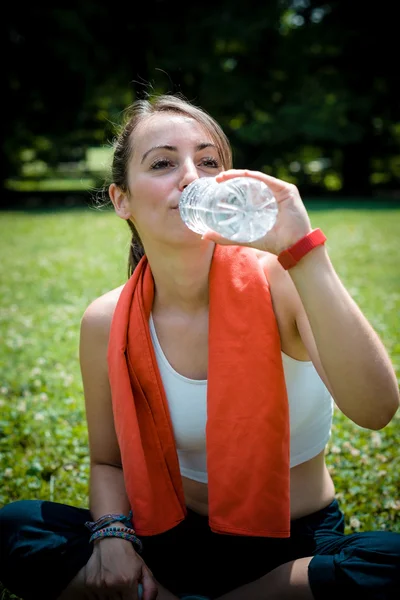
<point x="181" y="277"/>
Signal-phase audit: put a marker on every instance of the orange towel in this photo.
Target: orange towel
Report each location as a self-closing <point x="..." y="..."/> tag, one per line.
<point x="247" y="432"/>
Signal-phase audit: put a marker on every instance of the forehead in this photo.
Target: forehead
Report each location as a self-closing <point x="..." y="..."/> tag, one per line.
<point x="169" y="129"/>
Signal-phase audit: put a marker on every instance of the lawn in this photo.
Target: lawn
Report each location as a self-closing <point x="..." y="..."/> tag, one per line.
<point x="54" y="264"/>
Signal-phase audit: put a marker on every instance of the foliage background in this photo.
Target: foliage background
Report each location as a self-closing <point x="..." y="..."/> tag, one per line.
<point x="305" y="89"/>
<point x="57" y="262"/>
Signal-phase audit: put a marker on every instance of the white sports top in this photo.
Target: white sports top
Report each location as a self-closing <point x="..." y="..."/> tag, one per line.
<point x="310" y="410"/>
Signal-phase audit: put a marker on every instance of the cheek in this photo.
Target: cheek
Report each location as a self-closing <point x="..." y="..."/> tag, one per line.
<point x="149" y="191"/>
<point x="146" y="197"/>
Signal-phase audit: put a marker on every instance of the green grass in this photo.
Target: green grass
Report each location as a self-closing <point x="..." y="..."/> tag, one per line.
<point x="46" y="185"/>
<point x="53" y="265"/>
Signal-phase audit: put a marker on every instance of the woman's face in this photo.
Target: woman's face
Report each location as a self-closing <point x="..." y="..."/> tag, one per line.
<point x="170" y="151"/>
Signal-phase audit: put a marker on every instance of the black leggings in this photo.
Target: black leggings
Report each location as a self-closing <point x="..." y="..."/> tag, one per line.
<point x="44" y="544"/>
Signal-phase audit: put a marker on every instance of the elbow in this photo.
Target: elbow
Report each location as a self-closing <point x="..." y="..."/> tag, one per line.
<point x="376" y="414"/>
<point x="385" y="415"/>
<point x="389" y="418"/>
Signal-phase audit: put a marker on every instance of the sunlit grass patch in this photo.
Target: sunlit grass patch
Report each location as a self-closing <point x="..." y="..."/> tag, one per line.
<point x="53" y="265"/>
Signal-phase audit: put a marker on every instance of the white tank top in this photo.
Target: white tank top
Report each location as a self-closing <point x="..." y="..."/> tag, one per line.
<point x="310" y="410"/>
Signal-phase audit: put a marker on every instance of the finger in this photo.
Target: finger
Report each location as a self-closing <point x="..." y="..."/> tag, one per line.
<point x="149" y="585"/>
<point x="130" y="593"/>
<point x="90" y="594"/>
<point x="108" y="594"/>
<point x="213" y="236"/>
<point x="276" y="185"/>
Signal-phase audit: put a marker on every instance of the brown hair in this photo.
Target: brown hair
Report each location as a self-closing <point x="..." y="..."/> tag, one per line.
<point x="123" y="147"/>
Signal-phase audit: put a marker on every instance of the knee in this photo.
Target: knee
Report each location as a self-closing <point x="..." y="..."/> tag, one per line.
<point x="386" y="543"/>
<point x="15" y="515"/>
<point x="392" y="540"/>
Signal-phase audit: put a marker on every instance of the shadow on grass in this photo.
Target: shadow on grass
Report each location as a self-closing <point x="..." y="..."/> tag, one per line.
<point x="343" y="203"/>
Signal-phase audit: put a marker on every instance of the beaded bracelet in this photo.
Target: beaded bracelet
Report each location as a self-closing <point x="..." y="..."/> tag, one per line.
<point x="124" y="533"/>
<point x="108" y="519"/>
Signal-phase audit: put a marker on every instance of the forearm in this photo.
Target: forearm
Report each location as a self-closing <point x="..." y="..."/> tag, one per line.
<point x="355" y="361"/>
<point x="107" y="491"/>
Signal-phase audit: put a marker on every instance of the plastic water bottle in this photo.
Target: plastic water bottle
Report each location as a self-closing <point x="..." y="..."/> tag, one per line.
<point x="242" y="209"/>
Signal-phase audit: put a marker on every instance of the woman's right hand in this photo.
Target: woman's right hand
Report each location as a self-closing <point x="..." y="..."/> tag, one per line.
<point x="114" y="571"/>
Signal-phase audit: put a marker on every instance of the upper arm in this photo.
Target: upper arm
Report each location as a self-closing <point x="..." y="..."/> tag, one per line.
<point x="307" y="338"/>
<point x="94" y="334"/>
<point x="294" y="327"/>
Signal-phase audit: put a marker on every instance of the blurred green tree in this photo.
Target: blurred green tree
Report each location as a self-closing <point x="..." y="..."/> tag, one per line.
<point x="303" y="88"/>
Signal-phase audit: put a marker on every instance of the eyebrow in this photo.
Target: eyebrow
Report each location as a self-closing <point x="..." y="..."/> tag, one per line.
<point x="175" y="149"/>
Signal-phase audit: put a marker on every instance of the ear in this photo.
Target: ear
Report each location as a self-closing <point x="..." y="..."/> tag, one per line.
<point x="120" y="201"/>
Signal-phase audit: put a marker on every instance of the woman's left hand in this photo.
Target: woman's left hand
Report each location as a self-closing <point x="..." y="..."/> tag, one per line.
<point x="292" y="221"/>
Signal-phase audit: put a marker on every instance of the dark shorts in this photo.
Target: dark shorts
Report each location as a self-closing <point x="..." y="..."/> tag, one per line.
<point x="44" y="544"/>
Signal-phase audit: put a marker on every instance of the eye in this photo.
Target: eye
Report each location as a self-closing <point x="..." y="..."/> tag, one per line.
<point x="210" y="162"/>
<point x="161" y="163"/>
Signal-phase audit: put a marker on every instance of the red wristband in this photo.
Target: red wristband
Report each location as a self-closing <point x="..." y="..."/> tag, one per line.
<point x="291" y="256"/>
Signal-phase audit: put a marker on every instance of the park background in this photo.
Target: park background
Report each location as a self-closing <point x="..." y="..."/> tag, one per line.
<point x="305" y="90"/>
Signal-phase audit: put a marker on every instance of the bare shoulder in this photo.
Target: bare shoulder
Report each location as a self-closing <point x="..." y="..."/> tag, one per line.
<point x="278" y="278"/>
<point x="285" y="298"/>
<point x="97" y="317"/>
<point x="289" y="311"/>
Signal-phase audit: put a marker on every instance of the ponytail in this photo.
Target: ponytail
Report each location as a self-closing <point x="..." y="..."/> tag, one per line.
<point x="136" y="250"/>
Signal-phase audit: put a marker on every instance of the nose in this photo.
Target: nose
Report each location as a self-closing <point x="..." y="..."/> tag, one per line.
<point x="188" y="174"/>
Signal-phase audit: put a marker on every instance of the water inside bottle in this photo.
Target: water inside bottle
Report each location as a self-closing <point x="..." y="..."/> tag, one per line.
<point x="239" y="226"/>
<point x="241" y="211"/>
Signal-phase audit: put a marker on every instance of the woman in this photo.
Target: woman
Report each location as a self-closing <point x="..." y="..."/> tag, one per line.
<point x="276" y="341"/>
